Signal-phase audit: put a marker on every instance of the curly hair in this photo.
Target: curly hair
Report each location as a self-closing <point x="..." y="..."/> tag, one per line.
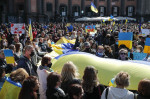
<point x="90" y="79"/>
<point x="122" y="79"/>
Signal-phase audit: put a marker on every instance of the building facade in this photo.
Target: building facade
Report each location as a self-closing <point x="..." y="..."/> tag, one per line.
<point x="69" y="10"/>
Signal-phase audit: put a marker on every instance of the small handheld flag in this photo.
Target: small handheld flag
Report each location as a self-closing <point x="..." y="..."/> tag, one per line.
<point x="111" y="18"/>
<point x="9" y="56"/>
<point x="93" y="8"/>
<point x="111" y="83"/>
<point x="126" y="38"/>
<point x="147" y="46"/>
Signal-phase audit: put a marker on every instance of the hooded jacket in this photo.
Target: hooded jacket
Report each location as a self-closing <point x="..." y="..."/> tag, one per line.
<point x="117" y="93"/>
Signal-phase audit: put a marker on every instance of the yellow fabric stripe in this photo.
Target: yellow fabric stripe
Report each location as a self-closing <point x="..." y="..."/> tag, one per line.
<point x="128" y="44"/>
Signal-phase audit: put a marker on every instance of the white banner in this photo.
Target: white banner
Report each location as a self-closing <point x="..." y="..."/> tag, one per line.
<point x="145" y="32"/>
<point x="18" y="28"/>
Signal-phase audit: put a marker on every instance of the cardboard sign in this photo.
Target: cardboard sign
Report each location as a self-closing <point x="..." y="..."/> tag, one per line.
<point x="145" y="32"/>
<point x="9" y="56"/>
<point x="90" y="28"/>
<point x="18" y="28"/>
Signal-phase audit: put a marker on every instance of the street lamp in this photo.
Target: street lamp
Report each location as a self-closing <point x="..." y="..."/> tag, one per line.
<point x="82" y="13"/>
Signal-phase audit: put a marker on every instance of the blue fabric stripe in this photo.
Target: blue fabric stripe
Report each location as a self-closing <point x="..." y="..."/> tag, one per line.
<point x="147" y="43"/>
<point x="68" y="50"/>
<point x="8" y="53"/>
<point x="67" y="46"/>
<point x="73" y="52"/>
<point x="93" y="5"/>
<point x="14" y="83"/>
<point x="126" y="36"/>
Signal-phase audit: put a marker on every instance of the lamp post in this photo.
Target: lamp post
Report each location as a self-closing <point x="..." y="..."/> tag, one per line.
<point x="82" y="13"/>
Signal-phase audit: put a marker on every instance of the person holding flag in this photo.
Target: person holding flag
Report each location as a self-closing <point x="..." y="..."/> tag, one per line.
<point x="93" y="8"/>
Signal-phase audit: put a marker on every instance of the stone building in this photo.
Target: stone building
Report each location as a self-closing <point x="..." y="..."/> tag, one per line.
<point x="68" y="10"/>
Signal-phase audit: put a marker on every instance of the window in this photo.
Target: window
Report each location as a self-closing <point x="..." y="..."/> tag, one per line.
<point x="130" y="11"/>
<point x="88" y="11"/>
<point x="63" y="13"/>
<point x="63" y="10"/>
<point x="102" y="11"/>
<point x="75" y="10"/>
<point x="115" y="11"/>
<point x="49" y="7"/>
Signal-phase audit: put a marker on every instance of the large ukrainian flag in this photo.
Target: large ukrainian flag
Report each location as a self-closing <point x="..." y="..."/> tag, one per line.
<point x="137" y="71"/>
<point x="62" y="46"/>
<point x="93" y="8"/>
<point x="147" y="46"/>
<point x="125" y="38"/>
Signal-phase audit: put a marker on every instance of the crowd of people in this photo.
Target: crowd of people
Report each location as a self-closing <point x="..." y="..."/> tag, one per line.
<point x="41" y="82"/>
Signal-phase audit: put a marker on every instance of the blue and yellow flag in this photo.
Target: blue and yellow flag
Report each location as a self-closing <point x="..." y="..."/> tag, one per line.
<point x="70" y="28"/>
<point x="10" y="89"/>
<point x="111" y="83"/>
<point x="93" y="8"/>
<point x="111" y="18"/>
<point x="30" y="31"/>
<point x="114" y="23"/>
<point x="9" y="56"/>
<point x="126" y="21"/>
<point x="125" y="38"/>
<point x="147" y="46"/>
<point x="62" y="46"/>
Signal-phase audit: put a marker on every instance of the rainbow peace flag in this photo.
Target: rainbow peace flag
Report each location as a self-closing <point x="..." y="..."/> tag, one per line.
<point x="9" y="56"/>
<point x="125" y="38"/>
<point x="147" y="46"/>
<point x="93" y="8"/>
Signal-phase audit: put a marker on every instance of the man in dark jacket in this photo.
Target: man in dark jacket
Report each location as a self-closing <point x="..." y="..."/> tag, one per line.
<point x="25" y="61"/>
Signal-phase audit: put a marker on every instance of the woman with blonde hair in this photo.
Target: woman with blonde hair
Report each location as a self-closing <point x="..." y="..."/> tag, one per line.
<point x="90" y="84"/>
<point x="69" y="75"/>
<point x="119" y="92"/>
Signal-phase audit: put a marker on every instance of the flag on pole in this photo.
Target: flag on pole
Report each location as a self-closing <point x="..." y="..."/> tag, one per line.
<point x="30" y="30"/>
<point x="93" y="8"/>
<point x="126" y="21"/>
<point x="111" y="18"/>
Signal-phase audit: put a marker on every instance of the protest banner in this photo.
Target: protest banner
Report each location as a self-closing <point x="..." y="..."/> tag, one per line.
<point x="18" y="28"/>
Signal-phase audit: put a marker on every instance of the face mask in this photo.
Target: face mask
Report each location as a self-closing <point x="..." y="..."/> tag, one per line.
<point x="138" y="51"/>
<point x="5" y="43"/>
<point x="100" y="54"/>
<point x="32" y="54"/>
<point x="49" y="65"/>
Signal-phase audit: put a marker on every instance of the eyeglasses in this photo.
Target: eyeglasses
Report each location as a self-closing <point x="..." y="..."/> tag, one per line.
<point x="123" y="53"/>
